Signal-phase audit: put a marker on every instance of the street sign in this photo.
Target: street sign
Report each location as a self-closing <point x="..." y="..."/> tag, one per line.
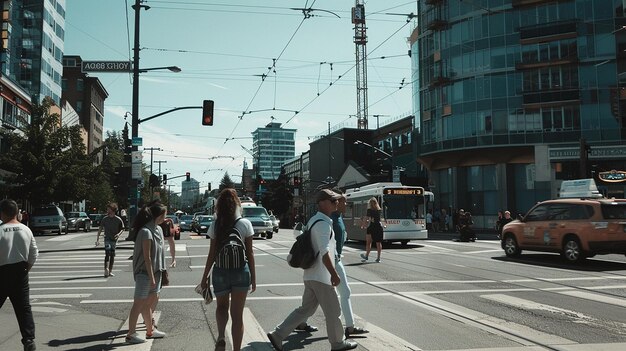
<point x="137" y="141"/>
<point x="105" y="66"/>
<point x="135" y="170"/>
<point x="396" y="175"/>
<point x="136" y="157"/>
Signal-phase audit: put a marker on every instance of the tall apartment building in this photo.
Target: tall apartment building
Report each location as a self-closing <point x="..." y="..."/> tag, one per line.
<point x="272" y="146"/>
<point x="506" y="89"/>
<point x="190" y="192"/>
<point x="32" y="50"/>
<point x="87" y="95"/>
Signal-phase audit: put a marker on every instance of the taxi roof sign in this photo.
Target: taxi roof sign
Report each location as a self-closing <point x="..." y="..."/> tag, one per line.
<point x="579" y="188"/>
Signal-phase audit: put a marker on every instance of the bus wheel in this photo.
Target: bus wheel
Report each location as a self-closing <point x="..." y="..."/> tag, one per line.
<point x="404" y="242"/>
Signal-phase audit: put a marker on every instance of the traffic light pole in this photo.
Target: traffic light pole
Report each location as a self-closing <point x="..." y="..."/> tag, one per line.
<point x="134" y="189"/>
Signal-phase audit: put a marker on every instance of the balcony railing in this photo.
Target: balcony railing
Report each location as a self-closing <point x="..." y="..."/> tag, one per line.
<point x="9" y="122"/>
<point x="550" y="96"/>
<point x="518" y="3"/>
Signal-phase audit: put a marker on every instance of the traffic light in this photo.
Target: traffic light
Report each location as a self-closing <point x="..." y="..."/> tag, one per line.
<point x="164" y="179"/>
<point x="188" y="176"/>
<point x="207" y="112"/>
<point x="154" y="180"/>
<point x="209" y="186"/>
<point x="128" y="150"/>
<point x="296" y="181"/>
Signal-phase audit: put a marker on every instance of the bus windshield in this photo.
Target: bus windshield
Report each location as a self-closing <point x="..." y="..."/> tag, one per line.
<point x="403" y="206"/>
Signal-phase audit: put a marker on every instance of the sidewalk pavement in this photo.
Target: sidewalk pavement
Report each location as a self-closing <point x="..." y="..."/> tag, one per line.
<point x="60" y="327"/>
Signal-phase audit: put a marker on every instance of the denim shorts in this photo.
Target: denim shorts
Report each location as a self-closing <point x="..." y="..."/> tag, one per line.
<point x="226" y="281"/>
<point x="142" y="285"/>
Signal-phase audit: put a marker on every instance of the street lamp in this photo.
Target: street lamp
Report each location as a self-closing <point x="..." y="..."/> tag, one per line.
<point x="134" y="194"/>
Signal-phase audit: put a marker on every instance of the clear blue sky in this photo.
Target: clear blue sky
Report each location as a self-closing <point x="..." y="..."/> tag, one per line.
<point x="222" y="48"/>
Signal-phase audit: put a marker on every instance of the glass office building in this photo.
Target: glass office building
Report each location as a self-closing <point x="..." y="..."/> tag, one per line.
<point x="507" y="89"/>
<point x="272" y="146"/>
<point x="32" y="50"/>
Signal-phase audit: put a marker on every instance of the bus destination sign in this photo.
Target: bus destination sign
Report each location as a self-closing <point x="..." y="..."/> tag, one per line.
<point x="105" y="66"/>
<point x="401" y="191"/>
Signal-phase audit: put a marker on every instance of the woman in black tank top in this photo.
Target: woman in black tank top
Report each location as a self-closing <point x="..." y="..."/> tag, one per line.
<point x="374" y="230"/>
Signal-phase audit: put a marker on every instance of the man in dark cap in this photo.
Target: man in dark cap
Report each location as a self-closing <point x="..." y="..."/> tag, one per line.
<point x="320" y="280"/>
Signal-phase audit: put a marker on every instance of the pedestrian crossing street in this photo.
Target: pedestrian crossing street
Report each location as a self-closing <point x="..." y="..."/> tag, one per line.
<point x="61" y="280"/>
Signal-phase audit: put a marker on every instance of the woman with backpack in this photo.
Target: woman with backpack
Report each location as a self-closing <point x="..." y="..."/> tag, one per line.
<point x="234" y="273"/>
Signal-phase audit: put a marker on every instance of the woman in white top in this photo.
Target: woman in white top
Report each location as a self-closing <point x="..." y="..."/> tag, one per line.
<point x="231" y="285"/>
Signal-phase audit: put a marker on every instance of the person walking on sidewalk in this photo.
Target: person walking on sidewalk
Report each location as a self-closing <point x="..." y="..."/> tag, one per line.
<point x="167" y="227"/>
<point x="18" y="253"/>
<point x="231" y="285"/>
<point x="148" y="265"/>
<point x="374" y="230"/>
<point x="320" y="281"/>
<point x="339" y="229"/>
<point x="113" y="227"/>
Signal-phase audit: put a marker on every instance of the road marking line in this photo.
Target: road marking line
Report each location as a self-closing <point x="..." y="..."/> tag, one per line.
<point x="574" y="316"/>
<point x="254" y="337"/>
<point x="596" y="297"/>
<point x="180" y="247"/>
<point x="45" y="309"/>
<point x="482" y="251"/>
<point x="436" y="247"/>
<point x="69" y="237"/>
<point x="84" y="271"/>
<point x="509" y="330"/>
<point x="120" y="338"/>
<point x="103" y="280"/>
<point x="606" y="287"/>
<point x="431" y="292"/>
<point x="257" y="298"/>
<point x="65" y="276"/>
<point x="378" y="336"/>
<point x="60" y="296"/>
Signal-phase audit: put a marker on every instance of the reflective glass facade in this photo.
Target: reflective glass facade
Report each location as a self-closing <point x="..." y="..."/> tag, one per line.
<point x="499" y="76"/>
<point x="272" y="147"/>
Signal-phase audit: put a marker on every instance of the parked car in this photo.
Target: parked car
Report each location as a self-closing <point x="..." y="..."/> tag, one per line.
<point x="176" y="230"/>
<point x="78" y="220"/>
<point x="48" y="218"/>
<point x="204" y="222"/>
<point x="577" y="228"/>
<point x="260" y="220"/>
<point x="96" y="218"/>
<point x="185" y="222"/>
<point x="275" y="223"/>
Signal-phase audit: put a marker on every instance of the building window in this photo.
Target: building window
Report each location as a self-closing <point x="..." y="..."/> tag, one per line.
<point x="79" y="106"/>
<point x="80" y="84"/>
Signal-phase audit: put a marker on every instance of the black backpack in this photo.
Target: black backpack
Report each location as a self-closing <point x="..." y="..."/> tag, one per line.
<point x="232" y="250"/>
<point x="302" y="255"/>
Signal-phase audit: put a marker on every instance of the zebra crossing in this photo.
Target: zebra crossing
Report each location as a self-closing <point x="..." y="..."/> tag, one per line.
<point x="60" y="281"/>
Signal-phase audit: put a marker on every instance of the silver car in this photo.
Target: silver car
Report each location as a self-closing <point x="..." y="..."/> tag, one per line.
<point x="260" y="220"/>
<point x="48" y="218"/>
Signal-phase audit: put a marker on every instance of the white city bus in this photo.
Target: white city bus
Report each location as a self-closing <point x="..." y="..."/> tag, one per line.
<point x="403" y="211"/>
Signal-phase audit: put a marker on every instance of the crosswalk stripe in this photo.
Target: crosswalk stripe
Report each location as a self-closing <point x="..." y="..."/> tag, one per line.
<point x="595" y="297"/>
<point x="60" y="296"/>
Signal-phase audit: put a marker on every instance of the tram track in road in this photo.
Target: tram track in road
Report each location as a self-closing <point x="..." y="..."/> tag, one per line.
<point x="408" y="267"/>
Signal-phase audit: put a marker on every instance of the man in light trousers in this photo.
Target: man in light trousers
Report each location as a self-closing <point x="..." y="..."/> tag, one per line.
<point x="320" y="281"/>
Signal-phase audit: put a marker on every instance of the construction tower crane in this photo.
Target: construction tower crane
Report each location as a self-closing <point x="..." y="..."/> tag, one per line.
<point x="360" y="40"/>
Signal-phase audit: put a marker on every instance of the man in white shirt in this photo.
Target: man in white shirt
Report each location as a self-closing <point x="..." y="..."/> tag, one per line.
<point x="18" y="253"/>
<point x="320" y="281"/>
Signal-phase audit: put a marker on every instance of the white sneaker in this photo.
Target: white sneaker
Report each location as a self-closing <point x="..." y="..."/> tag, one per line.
<point x="134" y="339"/>
<point x="156" y="334"/>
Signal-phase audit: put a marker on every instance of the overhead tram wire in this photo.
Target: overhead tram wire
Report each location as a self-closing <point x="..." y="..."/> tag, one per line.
<point x="344" y="74"/>
<point x="263" y="80"/>
<point x="128" y="39"/>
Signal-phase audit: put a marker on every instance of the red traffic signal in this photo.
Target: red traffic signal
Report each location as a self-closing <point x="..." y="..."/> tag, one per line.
<point x="187" y="175"/>
<point x="207" y="112"/>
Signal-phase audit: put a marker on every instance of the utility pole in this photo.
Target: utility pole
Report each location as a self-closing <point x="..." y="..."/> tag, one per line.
<point x="134" y="191"/>
<point x="159" y="162"/>
<point x="152" y="149"/>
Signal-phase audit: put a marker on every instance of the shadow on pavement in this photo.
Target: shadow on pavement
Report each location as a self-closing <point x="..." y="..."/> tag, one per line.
<point x="300" y="340"/>
<point x="104" y="339"/>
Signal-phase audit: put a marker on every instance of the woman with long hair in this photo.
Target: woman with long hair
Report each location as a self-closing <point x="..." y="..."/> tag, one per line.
<point x="230" y="285"/>
<point x="374" y="230"/>
<point x="148" y="265"/>
<point x="168" y="227"/>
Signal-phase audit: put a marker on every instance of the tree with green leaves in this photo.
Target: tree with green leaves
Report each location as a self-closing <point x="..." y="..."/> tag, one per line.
<point x="48" y="162"/>
<point x="226" y="182"/>
<point x="278" y="197"/>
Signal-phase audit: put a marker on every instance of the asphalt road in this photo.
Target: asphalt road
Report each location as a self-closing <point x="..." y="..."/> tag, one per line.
<point x="434" y="294"/>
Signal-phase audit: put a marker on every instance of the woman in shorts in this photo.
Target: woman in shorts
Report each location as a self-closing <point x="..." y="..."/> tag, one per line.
<point x="374" y="230"/>
<point x="230" y="285"/>
<point x="148" y="265"/>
